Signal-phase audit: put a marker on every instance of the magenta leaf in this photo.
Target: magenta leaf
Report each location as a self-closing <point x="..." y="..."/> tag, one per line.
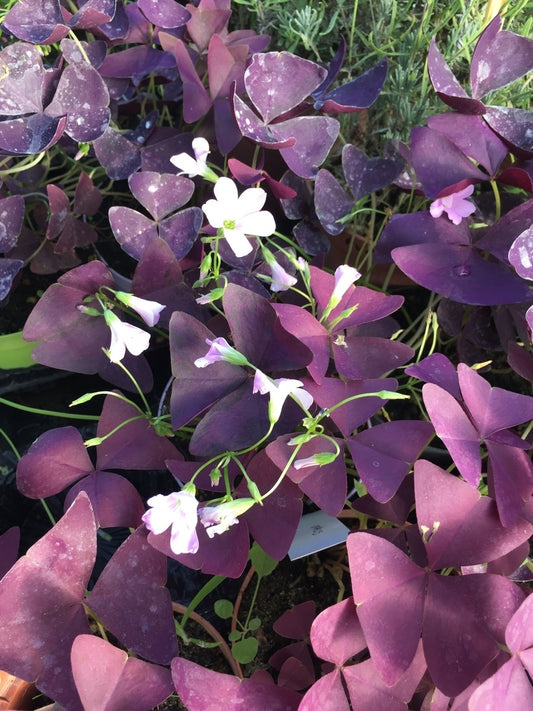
<point x="159" y="193"/>
<point x="383" y="455"/>
<point x="437" y="369"/>
<point x="56" y="459"/>
<point x="46" y="587"/>
<point x="107" y="679"/>
<point x="164" y="13"/>
<point x="9" y="545"/>
<point x="447" y="86"/>
<point x="366" y="175"/>
<point x="135" y="445"/>
<point x="327" y="694"/>
<point x="115" y="501"/>
<point x="336" y="634"/>
<point x="195" y="686"/>
<point x="36" y="21"/>
<point x="355" y="95"/>
<point x="139" y="612"/>
<point x="296" y="622"/>
<point x="461" y="526"/>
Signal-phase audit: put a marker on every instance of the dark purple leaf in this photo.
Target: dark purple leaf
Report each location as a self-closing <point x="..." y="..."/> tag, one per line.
<point x="332" y="203"/>
<point x="395" y="510"/>
<point x="253" y="127"/>
<point x="194" y="389"/>
<point x="500" y="57"/>
<point x="96" y="51"/>
<point x="41" y="604"/>
<point x="181" y="230"/>
<point x="514" y="126"/>
<point x="461" y="274"/>
<point x="118" y="156"/>
<point x="336" y="634"/>
<point x="277" y="82"/>
<point x="22" y="87"/>
<point x="132" y="601"/>
<point x="93" y="13"/>
<point x="11" y="217"/>
<point x="108" y="679"/>
<point x="447" y="86"/>
<point x="164" y="13"/>
<point x="437" y="369"/>
<point x="207" y="21"/>
<point x="160" y="194"/>
<point x="56" y="459"/>
<point x="296" y="622"/>
<point x="366" y="175"/>
<point x="369" y="357"/>
<point x="383" y="454"/>
<point x="499" y="238"/>
<point x="87" y="198"/>
<point x="510" y="480"/>
<point x="36" y="21"/>
<point x="9" y="546"/>
<point x="196" y="100"/>
<point x="9" y="268"/>
<point x="136" y="62"/>
<point x="133" y="230"/>
<point x="135" y="445"/>
<point x="115" y="501"/>
<point x="315" y="136"/>
<point x="355" y="95"/>
<point x="258" y="332"/>
<point x="439" y="164"/>
<point x="30" y="135"/>
<point x="473" y="137"/>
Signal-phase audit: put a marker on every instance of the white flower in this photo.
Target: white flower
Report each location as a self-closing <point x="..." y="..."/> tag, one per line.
<point x="148" y="310"/>
<point x="281" y="279"/>
<point x="344" y="278"/>
<point x="197" y="165"/>
<point x="217" y="519"/>
<point x="124" y="336"/>
<point x="220" y="349"/>
<point x="239" y="215"/>
<point x="178" y="510"/>
<point x="454" y="205"/>
<point x="279" y="390"/>
<point x="315" y="460"/>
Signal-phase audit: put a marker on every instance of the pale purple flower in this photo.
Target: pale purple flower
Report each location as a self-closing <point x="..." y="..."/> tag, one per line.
<point x="345" y="276"/>
<point x="217" y="519"/>
<point x="179" y="511"/>
<point x="454" y="205"/>
<point x="148" y="310"/>
<point x="197" y="165"/>
<point x="237" y="216"/>
<point x="279" y="390"/>
<point x="281" y="279"/>
<point x="220" y="349"/>
<point x="315" y="460"/>
<point x="124" y="336"/>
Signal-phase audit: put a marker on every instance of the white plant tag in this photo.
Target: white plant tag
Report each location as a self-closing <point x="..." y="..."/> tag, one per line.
<point x="316" y="532"/>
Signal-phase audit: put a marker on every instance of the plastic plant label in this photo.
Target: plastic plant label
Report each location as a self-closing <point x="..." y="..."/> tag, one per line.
<point x="316" y="532"/>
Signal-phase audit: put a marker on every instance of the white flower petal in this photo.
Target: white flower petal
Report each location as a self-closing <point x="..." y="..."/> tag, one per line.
<point x="261" y="224"/>
<point x="251" y="200"/>
<point x="226" y="192"/>
<point x="185" y="163"/>
<point x="238" y="242"/>
<point x="215" y="212"/>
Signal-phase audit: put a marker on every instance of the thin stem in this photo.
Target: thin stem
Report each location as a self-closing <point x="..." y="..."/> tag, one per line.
<point x="48" y="413"/>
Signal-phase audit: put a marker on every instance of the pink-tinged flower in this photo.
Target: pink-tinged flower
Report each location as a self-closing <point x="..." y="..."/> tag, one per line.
<point x="454" y="205"/>
<point x="315" y="460"/>
<point x="237" y="216"/>
<point x="179" y="511"/>
<point x="217" y="519"/>
<point x="220" y="349"/>
<point x="124" y="336"/>
<point x="197" y="165"/>
<point x="345" y="276"/>
<point x="281" y="279"/>
<point x="149" y="311"/>
<point x="279" y="390"/>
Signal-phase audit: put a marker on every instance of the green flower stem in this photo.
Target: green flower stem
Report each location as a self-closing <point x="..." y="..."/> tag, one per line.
<point x="95" y="441"/>
<point x="48" y="512"/>
<point x="48" y="413"/>
<point x="111" y="393"/>
<point x="10" y="443"/>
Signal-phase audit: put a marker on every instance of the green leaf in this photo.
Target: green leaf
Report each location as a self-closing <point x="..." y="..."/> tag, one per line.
<point x="234" y="636"/>
<point x="245" y="650"/>
<point x="261" y="561"/>
<point x="224" y="609"/>
<point x="254" y="624"/>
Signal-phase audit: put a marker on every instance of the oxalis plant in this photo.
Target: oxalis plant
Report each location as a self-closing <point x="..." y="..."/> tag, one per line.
<point x="295" y="386"/>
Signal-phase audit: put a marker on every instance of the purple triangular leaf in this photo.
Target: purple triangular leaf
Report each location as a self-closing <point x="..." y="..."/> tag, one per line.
<point x="164" y="13"/>
<point x="521" y="254"/>
<point x="139" y="614"/>
<point x="46" y="587"/>
<point x="355" y="95"/>
<point x="56" y="459"/>
<point x="196" y="388"/>
<point x="117" y="155"/>
<point x="9" y="545"/>
<point x="500" y="57"/>
<point x="366" y="175"/>
<point x="315" y="136"/>
<point x="115" y="501"/>
<point x="447" y="86"/>
<point x="159" y="193"/>
<point x="310" y="332"/>
<point x="510" y="480"/>
<point x="383" y="454"/>
<point x="181" y="230"/>
<point x="277" y="82"/>
<point x="136" y="62"/>
<point x="453" y="426"/>
<point x="36" y="21"/>
<point x="460" y="525"/>
<point x="326" y="694"/>
<point x="132" y="230"/>
<point x="107" y="679"/>
<point x="9" y="268"/>
<point x="389" y="591"/>
<point x="369" y="357"/>
<point x="336" y="634"/>
<point x="499" y="238"/>
<point x="135" y="445"/>
<point x="437" y="369"/>
<point x="509" y="688"/>
<point x="11" y="217"/>
<point x="332" y="202"/>
<point x="253" y="127"/>
<point x="514" y="126"/>
<point x="32" y="134"/>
